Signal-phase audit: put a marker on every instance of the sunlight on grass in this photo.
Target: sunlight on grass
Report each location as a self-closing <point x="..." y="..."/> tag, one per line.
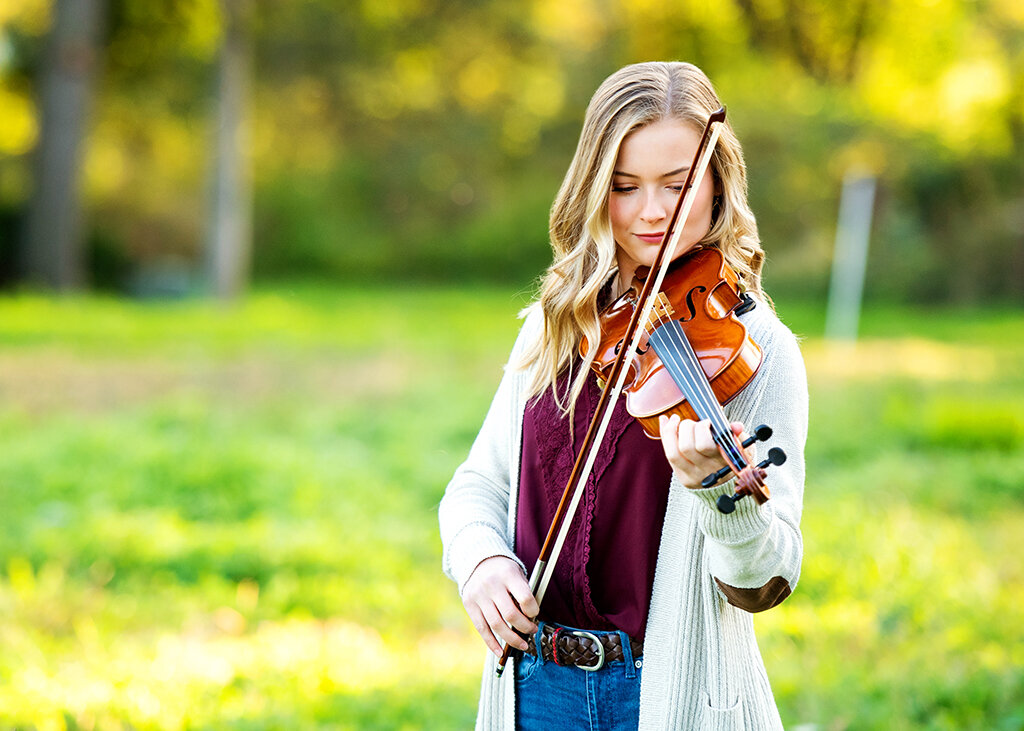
<point x="217" y="671"/>
<point x="923" y="360"/>
<point x="226" y="518"/>
<point x="927" y="592"/>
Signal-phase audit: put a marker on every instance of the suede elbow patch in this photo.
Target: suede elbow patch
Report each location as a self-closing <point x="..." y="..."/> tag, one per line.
<point x="757" y="600"/>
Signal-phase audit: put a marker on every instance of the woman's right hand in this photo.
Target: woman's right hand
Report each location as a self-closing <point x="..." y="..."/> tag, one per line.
<point x="496" y="596"/>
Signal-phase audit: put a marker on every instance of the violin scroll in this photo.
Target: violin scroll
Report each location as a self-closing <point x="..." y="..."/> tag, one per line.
<point x="750" y="480"/>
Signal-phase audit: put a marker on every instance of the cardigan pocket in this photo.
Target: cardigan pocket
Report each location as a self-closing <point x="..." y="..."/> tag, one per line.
<point x="722" y="719"/>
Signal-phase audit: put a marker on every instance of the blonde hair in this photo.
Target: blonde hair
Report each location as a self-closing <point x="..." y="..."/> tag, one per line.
<point x="580" y="228"/>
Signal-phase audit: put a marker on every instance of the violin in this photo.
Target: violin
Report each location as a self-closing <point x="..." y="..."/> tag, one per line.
<point x="693" y="356"/>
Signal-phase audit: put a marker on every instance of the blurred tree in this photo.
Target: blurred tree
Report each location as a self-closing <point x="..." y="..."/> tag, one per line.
<point x="149" y="163"/>
<point x="825" y="38"/>
<point x="427" y="138"/>
<point x="52" y="249"/>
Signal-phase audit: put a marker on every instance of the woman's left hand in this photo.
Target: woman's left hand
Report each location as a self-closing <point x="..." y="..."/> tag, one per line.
<point x="690" y="449"/>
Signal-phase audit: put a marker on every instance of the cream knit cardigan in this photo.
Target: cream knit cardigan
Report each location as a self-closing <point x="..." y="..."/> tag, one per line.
<point x="702" y="668"/>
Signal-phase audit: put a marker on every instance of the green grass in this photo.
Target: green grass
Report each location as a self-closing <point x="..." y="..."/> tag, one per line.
<point x="225" y="518"/>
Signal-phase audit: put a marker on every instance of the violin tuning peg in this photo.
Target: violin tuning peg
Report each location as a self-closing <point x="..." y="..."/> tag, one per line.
<point x="775" y="457"/>
<point x="726" y="504"/>
<point x="761" y="434"/>
<point x="714" y="477"/>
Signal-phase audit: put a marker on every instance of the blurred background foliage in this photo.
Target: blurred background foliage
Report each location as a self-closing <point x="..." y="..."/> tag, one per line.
<point x="225" y="517"/>
<point x="425" y="139"/>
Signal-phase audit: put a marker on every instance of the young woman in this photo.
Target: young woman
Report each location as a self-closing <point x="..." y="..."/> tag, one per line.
<point x="651" y="570"/>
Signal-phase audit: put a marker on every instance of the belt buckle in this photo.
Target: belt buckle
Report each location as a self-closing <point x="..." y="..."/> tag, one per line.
<point x="600" y="652"/>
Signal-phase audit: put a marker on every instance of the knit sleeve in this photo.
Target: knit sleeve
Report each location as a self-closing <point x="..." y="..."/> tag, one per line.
<point x="474" y="512"/>
<point x="754" y="553"/>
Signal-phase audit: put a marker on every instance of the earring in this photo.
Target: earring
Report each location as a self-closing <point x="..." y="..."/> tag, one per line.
<point x="716" y="209"/>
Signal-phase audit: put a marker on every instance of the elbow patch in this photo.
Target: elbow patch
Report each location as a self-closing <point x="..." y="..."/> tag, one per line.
<point x="757" y="600"/>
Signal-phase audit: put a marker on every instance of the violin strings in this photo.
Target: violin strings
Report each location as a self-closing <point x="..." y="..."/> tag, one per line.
<point x="702" y="386"/>
<point x="681" y="354"/>
<point x="672" y="346"/>
<point x="703" y="399"/>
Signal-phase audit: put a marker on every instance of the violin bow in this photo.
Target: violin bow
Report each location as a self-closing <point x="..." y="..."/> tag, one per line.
<point x="544" y="569"/>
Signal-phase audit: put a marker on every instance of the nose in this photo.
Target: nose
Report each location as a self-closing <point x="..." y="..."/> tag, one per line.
<point x="654" y="208"/>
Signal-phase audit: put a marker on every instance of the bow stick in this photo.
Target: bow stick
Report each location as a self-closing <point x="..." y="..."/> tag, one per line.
<point x="543" y="570"/>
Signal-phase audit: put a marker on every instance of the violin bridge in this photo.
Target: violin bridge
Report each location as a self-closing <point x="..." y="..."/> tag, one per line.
<point x="661" y="311"/>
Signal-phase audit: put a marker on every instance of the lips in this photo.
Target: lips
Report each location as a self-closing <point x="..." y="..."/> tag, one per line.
<point x="654" y="238"/>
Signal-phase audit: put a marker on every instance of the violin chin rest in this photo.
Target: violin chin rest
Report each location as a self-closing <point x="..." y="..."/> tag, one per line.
<point x="747" y="303"/>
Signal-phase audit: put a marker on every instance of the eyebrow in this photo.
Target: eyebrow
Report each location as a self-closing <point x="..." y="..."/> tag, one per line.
<point x="669" y="174"/>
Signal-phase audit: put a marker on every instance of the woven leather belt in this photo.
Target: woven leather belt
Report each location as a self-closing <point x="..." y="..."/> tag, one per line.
<point x="585" y="650"/>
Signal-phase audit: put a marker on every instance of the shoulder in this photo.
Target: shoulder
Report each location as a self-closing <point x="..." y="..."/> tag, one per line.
<point x="781" y="379"/>
<point x="529" y="332"/>
<point x="774" y="337"/>
<point x="533" y="321"/>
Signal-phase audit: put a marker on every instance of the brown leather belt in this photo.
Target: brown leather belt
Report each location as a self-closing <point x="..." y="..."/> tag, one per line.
<point x="585" y="650"/>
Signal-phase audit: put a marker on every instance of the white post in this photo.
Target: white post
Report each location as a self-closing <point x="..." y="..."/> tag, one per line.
<point x="229" y="235"/>
<point x="850" y="257"/>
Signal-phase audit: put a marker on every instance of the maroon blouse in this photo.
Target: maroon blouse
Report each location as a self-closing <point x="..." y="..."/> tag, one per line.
<point x="603" y="579"/>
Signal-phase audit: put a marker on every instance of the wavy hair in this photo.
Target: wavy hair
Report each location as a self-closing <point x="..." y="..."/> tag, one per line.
<point x="580" y="227"/>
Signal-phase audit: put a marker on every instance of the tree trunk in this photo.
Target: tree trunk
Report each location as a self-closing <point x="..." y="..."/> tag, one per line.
<point x="52" y="253"/>
<point x="229" y="231"/>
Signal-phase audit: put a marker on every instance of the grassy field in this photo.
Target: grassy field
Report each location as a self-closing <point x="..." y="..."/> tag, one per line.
<point x="225" y="518"/>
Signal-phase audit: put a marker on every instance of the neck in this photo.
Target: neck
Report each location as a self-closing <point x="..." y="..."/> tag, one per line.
<point x="624" y="277"/>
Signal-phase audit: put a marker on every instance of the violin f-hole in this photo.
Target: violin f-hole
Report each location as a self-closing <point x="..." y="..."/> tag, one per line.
<point x="691" y="308"/>
<point x="640" y="349"/>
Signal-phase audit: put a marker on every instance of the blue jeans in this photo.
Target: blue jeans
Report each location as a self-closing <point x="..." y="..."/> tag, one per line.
<point x="549" y="696"/>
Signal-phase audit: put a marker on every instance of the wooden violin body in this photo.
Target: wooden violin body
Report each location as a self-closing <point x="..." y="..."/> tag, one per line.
<point x="702" y="293"/>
